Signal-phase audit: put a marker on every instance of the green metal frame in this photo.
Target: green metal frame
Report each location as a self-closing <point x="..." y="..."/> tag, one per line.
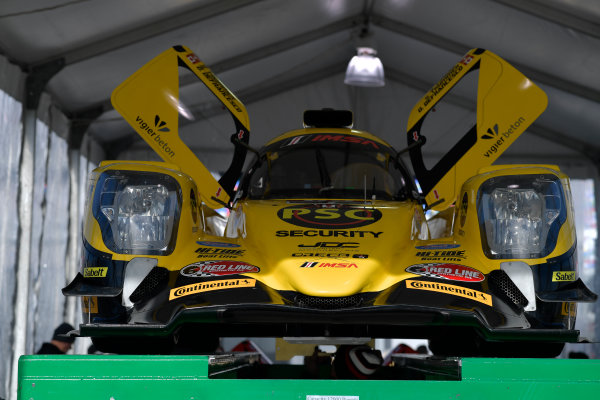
<point x="114" y="377"/>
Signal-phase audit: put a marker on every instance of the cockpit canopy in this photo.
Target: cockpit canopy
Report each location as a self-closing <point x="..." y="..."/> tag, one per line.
<point x="327" y="165"/>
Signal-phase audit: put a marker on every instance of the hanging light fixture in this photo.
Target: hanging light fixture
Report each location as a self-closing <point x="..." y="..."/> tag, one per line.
<point x="365" y="69"/>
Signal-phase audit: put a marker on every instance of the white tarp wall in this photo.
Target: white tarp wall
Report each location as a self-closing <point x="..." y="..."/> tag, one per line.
<point x="31" y="303"/>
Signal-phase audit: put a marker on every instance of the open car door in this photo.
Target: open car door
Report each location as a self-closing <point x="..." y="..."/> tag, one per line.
<point x="500" y="104"/>
<point x="150" y="102"/>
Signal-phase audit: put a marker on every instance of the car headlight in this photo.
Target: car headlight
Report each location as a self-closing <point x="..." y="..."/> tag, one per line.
<point x="520" y="215"/>
<point x="138" y="212"/>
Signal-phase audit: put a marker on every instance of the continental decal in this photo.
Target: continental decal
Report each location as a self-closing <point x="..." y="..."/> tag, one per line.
<point x="328" y="233"/>
<point x="95" y="272"/>
<point x="210" y="286"/>
<point x="451" y="289"/>
<point x="90" y="304"/>
<point x="563" y="276"/>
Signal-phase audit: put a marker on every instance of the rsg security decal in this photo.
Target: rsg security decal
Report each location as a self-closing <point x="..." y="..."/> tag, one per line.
<point x="451" y="289"/>
<point x="329" y="216"/>
<point x="453" y="272"/>
<point x="210" y="286"/>
<point x="217" y="268"/>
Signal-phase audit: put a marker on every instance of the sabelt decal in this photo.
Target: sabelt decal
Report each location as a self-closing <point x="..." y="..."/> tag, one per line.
<point x="95" y="272"/>
<point x="563" y="276"/>
<point x="217" y="268"/>
<point x="452" y="290"/>
<point x="90" y="304"/>
<point x="451" y="272"/>
<point x="330" y="216"/>
<point x="210" y="286"/>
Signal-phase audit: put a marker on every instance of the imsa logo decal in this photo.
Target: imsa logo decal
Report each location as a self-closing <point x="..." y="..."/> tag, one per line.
<point x="330" y="216"/>
<point x="453" y="272"/>
<point x="451" y="289"/>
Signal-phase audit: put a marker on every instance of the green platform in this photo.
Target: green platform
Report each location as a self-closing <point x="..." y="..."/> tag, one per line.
<point x="113" y="377"/>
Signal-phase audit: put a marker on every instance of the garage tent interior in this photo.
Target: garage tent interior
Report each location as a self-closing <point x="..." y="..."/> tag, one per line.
<point x="61" y="59"/>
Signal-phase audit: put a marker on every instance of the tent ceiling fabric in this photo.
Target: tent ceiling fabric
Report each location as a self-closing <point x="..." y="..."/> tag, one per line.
<point x="281" y="57"/>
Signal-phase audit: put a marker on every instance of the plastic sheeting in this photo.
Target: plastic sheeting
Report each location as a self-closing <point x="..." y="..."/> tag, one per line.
<point x="50" y="237"/>
<point x="10" y="151"/>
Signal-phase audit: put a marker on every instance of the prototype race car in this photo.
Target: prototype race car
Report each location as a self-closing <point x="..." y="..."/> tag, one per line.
<point x="327" y="238"/>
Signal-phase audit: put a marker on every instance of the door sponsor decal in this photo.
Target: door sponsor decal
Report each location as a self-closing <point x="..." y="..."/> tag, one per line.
<point x="452" y="290"/>
<point x="210" y="286"/>
<point x="217" y="268"/>
<point x="453" y="272"/>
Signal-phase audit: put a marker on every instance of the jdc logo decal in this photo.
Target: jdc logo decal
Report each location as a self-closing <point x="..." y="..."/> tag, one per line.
<point x="332" y="245"/>
<point x="329" y="217"/>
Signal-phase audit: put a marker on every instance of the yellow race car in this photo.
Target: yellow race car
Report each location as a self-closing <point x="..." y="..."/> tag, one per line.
<point x="329" y="237"/>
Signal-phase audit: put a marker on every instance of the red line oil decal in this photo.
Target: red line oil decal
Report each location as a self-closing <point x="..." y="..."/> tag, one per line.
<point x="329" y="216"/>
<point x="217" y="268"/>
<point x="453" y="272"/>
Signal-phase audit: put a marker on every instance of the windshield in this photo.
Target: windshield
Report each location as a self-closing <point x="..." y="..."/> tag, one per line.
<point x="327" y="169"/>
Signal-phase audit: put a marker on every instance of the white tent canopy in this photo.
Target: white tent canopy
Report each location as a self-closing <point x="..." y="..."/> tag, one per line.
<point x="61" y="59"/>
<point x="284" y="57"/>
